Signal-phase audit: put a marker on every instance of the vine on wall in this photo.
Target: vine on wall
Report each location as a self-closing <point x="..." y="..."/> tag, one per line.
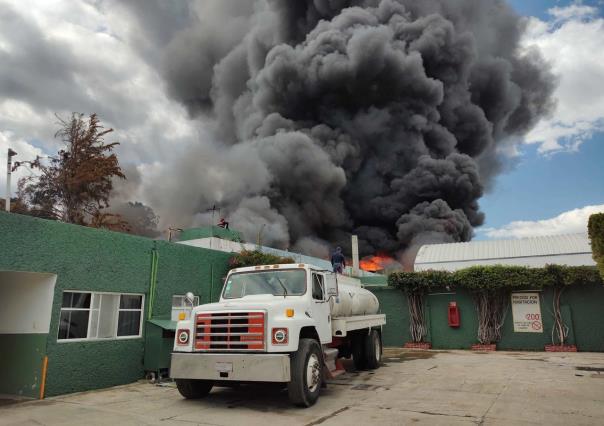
<point x="416" y="286"/>
<point x="491" y="287"/>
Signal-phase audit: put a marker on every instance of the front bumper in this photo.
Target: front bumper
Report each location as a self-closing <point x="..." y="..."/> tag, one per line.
<point x="231" y="367"/>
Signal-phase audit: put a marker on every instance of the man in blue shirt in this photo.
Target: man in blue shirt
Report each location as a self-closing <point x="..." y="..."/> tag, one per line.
<point x="338" y="261"/>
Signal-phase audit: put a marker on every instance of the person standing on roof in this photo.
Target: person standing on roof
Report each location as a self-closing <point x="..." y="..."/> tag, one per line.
<point x="338" y="261"/>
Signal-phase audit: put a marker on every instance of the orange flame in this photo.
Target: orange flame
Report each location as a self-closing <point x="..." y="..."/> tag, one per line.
<point x="376" y="263"/>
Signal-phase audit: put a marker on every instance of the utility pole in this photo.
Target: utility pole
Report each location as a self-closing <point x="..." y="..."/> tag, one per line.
<point x="355" y="255"/>
<point x="9" y="165"/>
<point x="213" y="210"/>
<point x="259" y="240"/>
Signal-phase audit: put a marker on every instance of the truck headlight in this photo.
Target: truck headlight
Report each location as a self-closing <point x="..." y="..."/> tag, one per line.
<point x="279" y="336"/>
<point x="182" y="337"/>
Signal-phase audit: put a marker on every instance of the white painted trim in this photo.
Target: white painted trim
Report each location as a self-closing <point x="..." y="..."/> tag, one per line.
<point x="115" y="314"/>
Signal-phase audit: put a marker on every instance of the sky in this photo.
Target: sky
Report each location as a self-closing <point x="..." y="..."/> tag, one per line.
<point x="557" y="178"/>
<point x="95" y="51"/>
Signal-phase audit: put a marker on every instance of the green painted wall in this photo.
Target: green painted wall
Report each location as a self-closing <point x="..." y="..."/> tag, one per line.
<point x="183" y="268"/>
<point x="443" y="336"/>
<point x="83" y="259"/>
<point x="21" y="363"/>
<point x="158" y="347"/>
<point x="393" y="303"/>
<point x="375" y="280"/>
<point x="581" y="310"/>
<point x="536" y="341"/>
<point x="587" y="308"/>
<point x="98" y="260"/>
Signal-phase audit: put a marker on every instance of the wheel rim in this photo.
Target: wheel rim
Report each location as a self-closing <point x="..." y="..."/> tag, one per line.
<point x="313" y="372"/>
<point x="378" y="349"/>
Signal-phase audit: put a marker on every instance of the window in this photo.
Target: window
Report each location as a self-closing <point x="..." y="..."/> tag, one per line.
<point x="180" y="304"/>
<point x="278" y="283"/>
<point x="317" y="287"/>
<point x="88" y="315"/>
<point x="75" y="312"/>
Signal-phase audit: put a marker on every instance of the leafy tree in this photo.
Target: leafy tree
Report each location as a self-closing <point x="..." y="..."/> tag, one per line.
<point x="141" y="219"/>
<point x="110" y="221"/>
<point x="595" y="228"/>
<point x="74" y="186"/>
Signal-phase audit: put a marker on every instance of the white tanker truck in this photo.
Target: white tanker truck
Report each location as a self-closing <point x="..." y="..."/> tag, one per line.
<point x="278" y="323"/>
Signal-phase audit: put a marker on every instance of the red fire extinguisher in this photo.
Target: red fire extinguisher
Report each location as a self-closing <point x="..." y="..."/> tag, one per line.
<point x="453" y="316"/>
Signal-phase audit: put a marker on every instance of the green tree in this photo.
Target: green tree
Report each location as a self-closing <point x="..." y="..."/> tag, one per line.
<point x="74" y="186"/>
<point x="595" y="228"/>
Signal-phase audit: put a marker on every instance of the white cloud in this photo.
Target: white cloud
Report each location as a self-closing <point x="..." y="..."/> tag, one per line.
<point x="59" y="57"/>
<point x="569" y="222"/>
<point x="572" y="42"/>
<point x="573" y="11"/>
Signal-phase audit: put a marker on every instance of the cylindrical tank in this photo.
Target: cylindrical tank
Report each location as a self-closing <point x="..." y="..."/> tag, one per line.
<point x="353" y="300"/>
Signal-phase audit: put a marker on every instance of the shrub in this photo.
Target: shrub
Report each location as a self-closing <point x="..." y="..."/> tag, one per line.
<point x="256" y="257"/>
<point x="420" y="282"/>
<point x="496" y="277"/>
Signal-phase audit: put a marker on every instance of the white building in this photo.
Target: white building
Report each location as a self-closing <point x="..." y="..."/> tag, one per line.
<point x="571" y="249"/>
<point x="229" y="246"/>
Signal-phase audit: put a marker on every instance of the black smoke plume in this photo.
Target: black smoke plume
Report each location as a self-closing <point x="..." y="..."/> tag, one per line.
<point x="382" y="118"/>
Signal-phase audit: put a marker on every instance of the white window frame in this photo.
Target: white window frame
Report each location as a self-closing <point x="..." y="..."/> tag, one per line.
<point x="116" y="316"/>
<point x="184" y="305"/>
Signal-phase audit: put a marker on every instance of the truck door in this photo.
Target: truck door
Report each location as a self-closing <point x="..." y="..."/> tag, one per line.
<point x="320" y="311"/>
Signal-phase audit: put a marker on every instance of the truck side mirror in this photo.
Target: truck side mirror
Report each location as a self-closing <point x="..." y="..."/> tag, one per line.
<point x="190" y="298"/>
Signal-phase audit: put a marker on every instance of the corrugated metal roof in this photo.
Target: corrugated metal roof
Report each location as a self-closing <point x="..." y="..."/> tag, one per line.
<point x="504" y="249"/>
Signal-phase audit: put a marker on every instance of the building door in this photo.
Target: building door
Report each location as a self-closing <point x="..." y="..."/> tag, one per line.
<point x="25" y="310"/>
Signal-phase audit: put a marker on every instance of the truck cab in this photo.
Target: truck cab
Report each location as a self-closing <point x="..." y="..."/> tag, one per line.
<point x="273" y="323"/>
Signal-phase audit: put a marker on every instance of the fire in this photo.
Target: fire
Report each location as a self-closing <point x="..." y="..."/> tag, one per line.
<point x="376" y="263"/>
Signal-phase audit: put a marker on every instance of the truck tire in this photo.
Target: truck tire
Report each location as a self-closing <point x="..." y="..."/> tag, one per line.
<point x="358" y="351"/>
<point x="194" y="389"/>
<point x="373" y="349"/>
<point x="306" y="373"/>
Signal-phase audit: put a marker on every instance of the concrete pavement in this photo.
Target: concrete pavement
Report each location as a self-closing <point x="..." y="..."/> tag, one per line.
<point x="432" y="387"/>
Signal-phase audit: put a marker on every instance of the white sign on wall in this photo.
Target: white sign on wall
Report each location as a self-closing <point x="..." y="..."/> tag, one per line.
<point x="526" y="311"/>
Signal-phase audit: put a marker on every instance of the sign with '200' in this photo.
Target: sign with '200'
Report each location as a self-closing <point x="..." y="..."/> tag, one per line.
<point x="526" y="311"/>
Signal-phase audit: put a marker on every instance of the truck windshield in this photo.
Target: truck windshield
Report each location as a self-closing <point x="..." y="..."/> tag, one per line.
<point x="277" y="283"/>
